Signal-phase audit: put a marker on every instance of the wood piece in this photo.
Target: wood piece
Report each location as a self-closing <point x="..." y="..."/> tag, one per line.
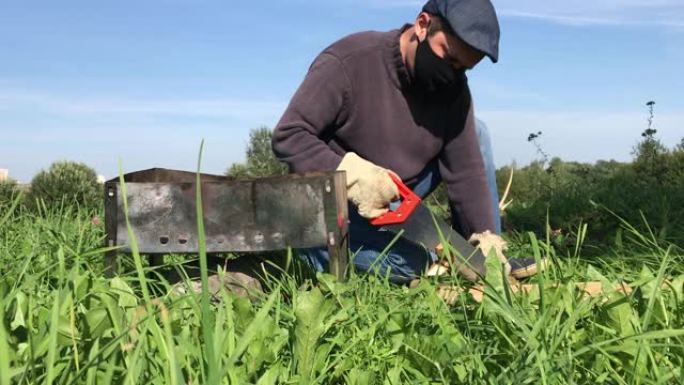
<point x="591" y="289"/>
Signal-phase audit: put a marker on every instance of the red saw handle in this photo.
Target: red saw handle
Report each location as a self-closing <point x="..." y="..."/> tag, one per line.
<point x="409" y="202"/>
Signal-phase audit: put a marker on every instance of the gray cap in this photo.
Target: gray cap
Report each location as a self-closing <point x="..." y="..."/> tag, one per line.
<point x="474" y="21"/>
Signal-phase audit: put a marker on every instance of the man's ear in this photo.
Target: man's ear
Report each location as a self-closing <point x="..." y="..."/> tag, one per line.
<point x="421" y="26"/>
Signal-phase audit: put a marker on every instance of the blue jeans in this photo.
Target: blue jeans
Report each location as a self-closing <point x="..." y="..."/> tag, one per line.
<point x="403" y="260"/>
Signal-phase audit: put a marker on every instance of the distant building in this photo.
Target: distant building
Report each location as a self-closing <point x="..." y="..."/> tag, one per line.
<point x="4" y="174"/>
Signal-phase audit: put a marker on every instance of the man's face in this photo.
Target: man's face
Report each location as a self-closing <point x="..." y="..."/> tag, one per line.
<point x="448" y="46"/>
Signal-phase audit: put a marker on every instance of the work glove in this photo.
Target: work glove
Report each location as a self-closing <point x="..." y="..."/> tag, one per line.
<point x="369" y="186"/>
<point x="487" y="242"/>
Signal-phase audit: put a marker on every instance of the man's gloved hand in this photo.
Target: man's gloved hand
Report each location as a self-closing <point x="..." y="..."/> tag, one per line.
<point x="369" y="186"/>
<point x="487" y="241"/>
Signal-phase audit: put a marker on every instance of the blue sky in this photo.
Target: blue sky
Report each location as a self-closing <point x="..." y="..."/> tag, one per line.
<point x="145" y="81"/>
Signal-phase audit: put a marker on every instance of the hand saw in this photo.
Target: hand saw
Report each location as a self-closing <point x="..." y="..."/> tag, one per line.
<point x="417" y="224"/>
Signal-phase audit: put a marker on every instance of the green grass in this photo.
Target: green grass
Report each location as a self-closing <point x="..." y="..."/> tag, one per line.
<point x="64" y="322"/>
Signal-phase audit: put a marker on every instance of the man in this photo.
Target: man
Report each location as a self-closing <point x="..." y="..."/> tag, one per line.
<point x="397" y="101"/>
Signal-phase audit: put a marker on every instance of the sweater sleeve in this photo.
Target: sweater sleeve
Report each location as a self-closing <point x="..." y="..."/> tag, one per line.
<point x="462" y="170"/>
<point x="316" y="109"/>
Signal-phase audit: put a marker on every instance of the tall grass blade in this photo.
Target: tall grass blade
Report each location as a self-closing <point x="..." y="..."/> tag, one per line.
<point x="10" y="211"/>
<point x="52" y="339"/>
<point x="4" y="349"/>
<point x="660" y="278"/>
<point x="539" y="277"/>
<point x="647" y="336"/>
<point x="92" y="371"/>
<point x="207" y="315"/>
<point x="174" y="372"/>
<point x="134" y="244"/>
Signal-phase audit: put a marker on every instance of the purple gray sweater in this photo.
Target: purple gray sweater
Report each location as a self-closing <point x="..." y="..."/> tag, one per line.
<point x="357" y="97"/>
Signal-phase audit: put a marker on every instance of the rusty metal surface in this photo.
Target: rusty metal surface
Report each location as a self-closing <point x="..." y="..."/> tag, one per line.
<point x="336" y="206"/>
<point x="255" y="215"/>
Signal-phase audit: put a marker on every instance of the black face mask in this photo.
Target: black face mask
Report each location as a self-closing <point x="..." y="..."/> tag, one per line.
<point x="434" y="75"/>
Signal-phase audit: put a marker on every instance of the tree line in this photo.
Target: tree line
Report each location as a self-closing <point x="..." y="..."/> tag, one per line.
<point x="550" y="196"/>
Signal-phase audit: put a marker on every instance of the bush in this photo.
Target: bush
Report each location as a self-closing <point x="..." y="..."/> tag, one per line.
<point x="647" y="193"/>
<point x="68" y="183"/>
<point x="261" y="161"/>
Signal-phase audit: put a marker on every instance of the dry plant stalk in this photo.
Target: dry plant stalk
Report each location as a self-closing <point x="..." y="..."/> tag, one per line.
<point x="502" y="203"/>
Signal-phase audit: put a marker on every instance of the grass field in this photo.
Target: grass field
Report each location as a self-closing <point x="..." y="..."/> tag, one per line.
<point x="64" y="322"/>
